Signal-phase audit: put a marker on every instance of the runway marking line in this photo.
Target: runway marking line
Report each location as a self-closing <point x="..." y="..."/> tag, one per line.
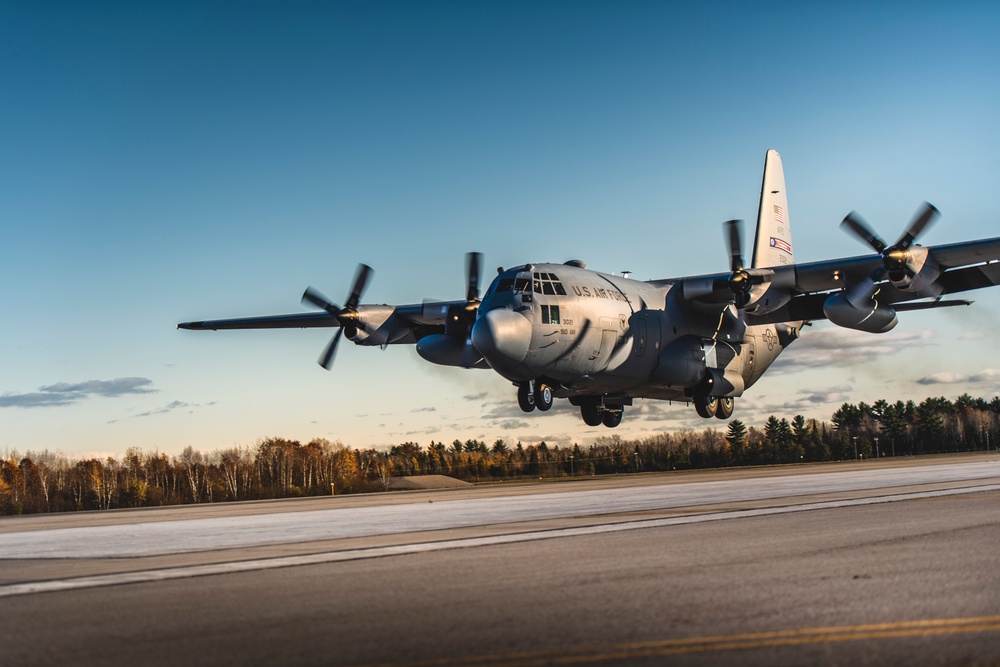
<point x="737" y="642"/>
<point x="328" y="557"/>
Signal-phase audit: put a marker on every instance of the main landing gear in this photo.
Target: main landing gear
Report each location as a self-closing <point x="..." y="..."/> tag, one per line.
<point x="595" y="413"/>
<point x="714" y="406"/>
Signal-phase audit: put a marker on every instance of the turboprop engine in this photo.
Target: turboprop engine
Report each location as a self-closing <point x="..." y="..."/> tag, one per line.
<point x="907" y="266"/>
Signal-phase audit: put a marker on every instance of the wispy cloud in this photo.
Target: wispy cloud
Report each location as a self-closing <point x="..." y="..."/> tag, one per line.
<point x="511" y="424"/>
<point x="69" y="393"/>
<point x="985" y="375"/>
<point x="174" y="406"/>
<point x="826" y="348"/>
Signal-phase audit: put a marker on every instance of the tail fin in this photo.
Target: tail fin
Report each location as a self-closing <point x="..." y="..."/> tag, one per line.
<point x="773" y="242"/>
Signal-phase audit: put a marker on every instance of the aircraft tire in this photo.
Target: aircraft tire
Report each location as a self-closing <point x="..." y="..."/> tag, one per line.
<point x="543" y="397"/>
<point x="613" y="418"/>
<point x="725" y="408"/>
<point x="706" y="406"/>
<point x="592" y="413"/>
<point x="524" y="398"/>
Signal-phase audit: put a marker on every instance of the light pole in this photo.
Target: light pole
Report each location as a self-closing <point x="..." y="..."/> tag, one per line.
<point x="855" y="439"/>
<point x="571" y="472"/>
<point x="876" y="447"/>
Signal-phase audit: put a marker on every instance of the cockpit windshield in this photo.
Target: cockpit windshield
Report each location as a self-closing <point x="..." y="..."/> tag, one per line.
<point x="523" y="282"/>
<point x="513" y="282"/>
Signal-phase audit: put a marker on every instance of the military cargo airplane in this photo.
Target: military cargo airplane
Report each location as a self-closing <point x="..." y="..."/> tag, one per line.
<point x="602" y="340"/>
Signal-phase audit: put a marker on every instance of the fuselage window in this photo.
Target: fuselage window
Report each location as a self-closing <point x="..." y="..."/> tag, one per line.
<point x="522" y="285"/>
<point x="505" y="285"/>
<point x="554" y="314"/>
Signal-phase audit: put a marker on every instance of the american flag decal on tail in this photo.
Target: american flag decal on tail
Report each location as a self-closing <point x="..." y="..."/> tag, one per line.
<point x="779" y="216"/>
<point x="781" y="245"/>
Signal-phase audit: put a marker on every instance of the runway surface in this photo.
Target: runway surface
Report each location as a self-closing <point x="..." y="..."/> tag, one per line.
<point x="862" y="563"/>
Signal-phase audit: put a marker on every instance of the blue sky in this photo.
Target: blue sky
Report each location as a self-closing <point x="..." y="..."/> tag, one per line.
<point x="164" y="162"/>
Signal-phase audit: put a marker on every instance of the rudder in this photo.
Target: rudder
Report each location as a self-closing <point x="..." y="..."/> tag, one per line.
<point x="773" y="240"/>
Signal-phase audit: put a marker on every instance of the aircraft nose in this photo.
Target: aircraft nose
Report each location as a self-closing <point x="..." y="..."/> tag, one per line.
<point x="502" y="337"/>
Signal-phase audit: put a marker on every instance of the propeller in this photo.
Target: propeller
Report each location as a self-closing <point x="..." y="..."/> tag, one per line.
<point x="740" y="282"/>
<point x="894" y="257"/>
<point x="346" y="316"/>
<point x="474" y="274"/>
<point x="461" y="318"/>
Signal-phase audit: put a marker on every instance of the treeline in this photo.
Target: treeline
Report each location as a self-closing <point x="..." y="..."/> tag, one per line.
<point x="280" y="468"/>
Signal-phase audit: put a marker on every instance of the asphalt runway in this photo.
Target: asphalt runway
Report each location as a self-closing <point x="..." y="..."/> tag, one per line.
<point x="873" y="563"/>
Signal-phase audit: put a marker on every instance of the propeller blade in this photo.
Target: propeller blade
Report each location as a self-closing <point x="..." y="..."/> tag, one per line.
<point x="856" y="225"/>
<point x="316" y="298"/>
<point x="474" y="274"/>
<point x="734" y="229"/>
<point x="360" y="283"/>
<point x="326" y="359"/>
<point x="925" y="216"/>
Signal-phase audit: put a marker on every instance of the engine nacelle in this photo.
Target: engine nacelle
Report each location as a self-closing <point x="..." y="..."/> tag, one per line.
<point x="873" y="318"/>
<point x="446" y="350"/>
<point x="920" y="273"/>
<point x="373" y="325"/>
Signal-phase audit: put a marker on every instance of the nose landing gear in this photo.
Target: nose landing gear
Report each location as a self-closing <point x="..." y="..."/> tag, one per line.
<point x="531" y="395"/>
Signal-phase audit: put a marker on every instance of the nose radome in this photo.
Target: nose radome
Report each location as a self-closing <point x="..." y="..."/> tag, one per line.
<point x="502" y="337"/>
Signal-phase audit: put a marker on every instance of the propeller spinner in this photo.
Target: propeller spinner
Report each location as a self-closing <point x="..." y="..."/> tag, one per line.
<point x="346" y="316"/>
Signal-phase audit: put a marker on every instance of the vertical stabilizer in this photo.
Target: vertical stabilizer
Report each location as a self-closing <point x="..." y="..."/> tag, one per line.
<point x="773" y="241"/>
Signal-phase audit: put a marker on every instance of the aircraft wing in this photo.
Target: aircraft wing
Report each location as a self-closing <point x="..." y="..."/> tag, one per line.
<point x="830" y="274"/>
<point x="414" y="316"/>
<point x="964" y="266"/>
<point x="296" y="321"/>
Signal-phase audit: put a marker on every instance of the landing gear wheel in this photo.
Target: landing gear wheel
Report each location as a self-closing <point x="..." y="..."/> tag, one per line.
<point x="543" y="397"/>
<point x="706" y="406"/>
<point x="525" y="399"/>
<point x="592" y="413"/>
<point x="613" y="416"/>
<point x="725" y="408"/>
